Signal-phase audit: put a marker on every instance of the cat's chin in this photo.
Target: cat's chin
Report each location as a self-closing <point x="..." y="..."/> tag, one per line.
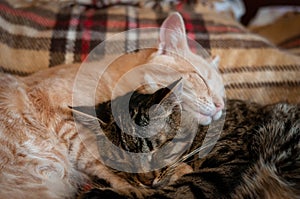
<point x="203" y="119"/>
<point x="217" y="115"/>
<point x="206" y="120"/>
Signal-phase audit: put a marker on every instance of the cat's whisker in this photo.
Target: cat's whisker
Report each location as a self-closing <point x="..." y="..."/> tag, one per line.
<point x="198" y="150"/>
<point x="85" y="115"/>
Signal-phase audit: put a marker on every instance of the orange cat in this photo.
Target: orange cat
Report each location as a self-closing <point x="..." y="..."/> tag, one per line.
<point x="42" y="154"/>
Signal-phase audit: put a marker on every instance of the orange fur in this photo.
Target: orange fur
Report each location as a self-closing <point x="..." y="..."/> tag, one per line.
<point x="43" y="154"/>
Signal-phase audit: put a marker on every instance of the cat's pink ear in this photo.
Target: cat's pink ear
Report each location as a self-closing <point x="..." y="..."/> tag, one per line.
<point x="172" y="35"/>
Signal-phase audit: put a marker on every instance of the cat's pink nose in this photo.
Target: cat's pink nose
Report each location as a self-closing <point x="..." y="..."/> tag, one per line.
<point x="219" y="106"/>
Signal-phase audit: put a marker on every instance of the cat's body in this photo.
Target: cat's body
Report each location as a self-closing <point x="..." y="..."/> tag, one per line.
<point x="256" y="156"/>
<point x="44" y="154"/>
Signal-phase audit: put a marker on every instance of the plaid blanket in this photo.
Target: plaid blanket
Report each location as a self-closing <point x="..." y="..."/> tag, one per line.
<point x="35" y="38"/>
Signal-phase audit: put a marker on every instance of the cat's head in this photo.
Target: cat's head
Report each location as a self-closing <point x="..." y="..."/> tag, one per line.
<point x="203" y="89"/>
<point x="136" y="116"/>
<point x="152" y="127"/>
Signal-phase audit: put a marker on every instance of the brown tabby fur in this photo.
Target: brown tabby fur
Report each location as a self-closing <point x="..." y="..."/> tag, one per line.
<point x="256" y="156"/>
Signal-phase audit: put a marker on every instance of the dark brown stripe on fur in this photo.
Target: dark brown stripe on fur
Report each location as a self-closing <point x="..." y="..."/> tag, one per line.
<point x="80" y="151"/>
<point x="75" y="135"/>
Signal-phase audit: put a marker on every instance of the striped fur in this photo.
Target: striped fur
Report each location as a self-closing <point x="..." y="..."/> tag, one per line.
<point x="256" y="156"/>
<point x="42" y="154"/>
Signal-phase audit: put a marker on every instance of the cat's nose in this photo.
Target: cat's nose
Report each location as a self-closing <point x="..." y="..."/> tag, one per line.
<point x="219" y="106"/>
<point x="218" y="113"/>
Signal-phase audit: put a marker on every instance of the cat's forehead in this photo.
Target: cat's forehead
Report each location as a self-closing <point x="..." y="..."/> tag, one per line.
<point x="162" y="59"/>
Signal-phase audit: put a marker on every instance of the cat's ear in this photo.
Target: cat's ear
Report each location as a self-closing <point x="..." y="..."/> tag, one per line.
<point x="172" y="35"/>
<point x="171" y="93"/>
<point x="86" y="115"/>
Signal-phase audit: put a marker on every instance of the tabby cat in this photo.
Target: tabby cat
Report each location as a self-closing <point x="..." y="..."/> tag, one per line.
<point x="45" y="154"/>
<point x="256" y="156"/>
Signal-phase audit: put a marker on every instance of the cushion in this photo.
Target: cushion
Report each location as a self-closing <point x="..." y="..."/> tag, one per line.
<point x="38" y="37"/>
<point x="284" y="32"/>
